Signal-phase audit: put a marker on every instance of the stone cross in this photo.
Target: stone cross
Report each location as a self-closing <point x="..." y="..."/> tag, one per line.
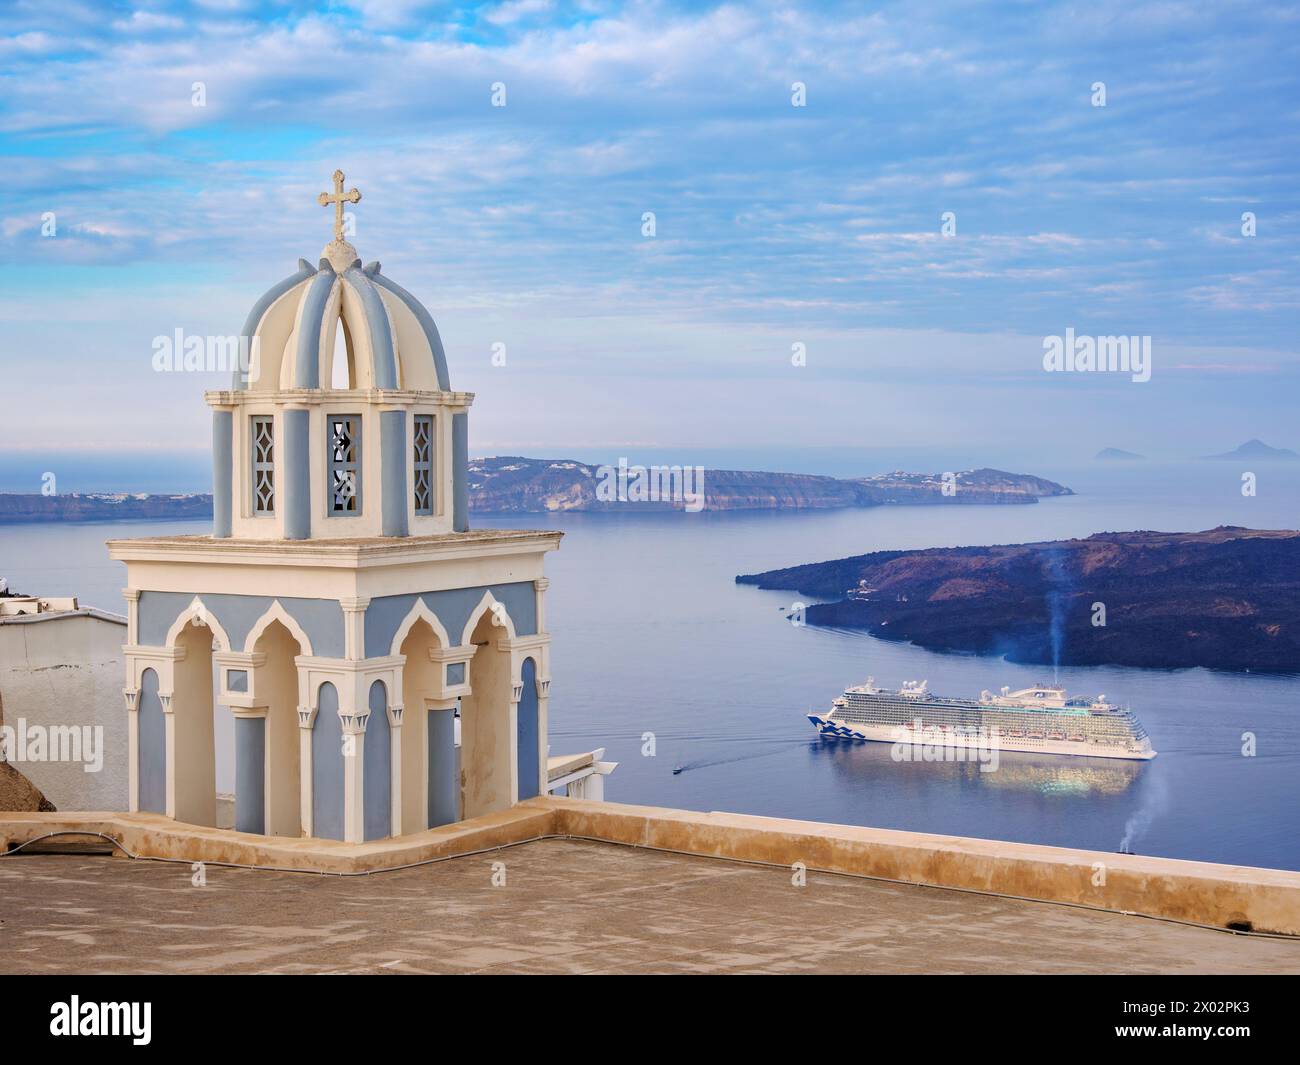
<point x="338" y="200"/>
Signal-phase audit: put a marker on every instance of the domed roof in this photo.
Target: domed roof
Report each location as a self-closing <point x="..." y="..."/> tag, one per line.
<point x="391" y="339"/>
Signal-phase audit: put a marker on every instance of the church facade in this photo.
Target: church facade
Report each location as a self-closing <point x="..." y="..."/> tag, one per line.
<point x="386" y="666"/>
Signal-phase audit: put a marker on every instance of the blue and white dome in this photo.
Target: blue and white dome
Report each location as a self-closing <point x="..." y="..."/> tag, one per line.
<point x="391" y="339"/>
<point x="345" y="425"/>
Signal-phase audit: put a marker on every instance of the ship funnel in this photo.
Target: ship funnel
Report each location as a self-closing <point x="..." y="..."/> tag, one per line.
<point x="1006" y="689"/>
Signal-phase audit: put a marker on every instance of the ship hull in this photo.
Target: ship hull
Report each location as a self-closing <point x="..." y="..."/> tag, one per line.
<point x="834" y="730"/>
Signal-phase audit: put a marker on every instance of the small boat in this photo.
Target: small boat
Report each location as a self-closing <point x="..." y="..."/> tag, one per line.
<point x="677" y="769"/>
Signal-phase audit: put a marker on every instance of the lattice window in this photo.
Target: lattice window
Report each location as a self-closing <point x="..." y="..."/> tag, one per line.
<point x="422" y="441"/>
<point x="263" y="468"/>
<point x="344" y="463"/>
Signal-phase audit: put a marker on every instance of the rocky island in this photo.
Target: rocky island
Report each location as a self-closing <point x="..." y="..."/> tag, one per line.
<point x="1227" y="598"/>
<point x="521" y="485"/>
<point x="18" y="507"/>
<point x="515" y="485"/>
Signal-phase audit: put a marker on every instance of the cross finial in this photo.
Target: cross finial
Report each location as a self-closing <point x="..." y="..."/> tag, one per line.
<point x="338" y="199"/>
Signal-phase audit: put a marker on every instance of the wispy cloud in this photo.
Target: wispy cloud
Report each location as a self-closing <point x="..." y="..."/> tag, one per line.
<point x="816" y="221"/>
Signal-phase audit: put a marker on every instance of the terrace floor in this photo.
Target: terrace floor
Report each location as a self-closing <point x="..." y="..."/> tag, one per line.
<point x="566" y="906"/>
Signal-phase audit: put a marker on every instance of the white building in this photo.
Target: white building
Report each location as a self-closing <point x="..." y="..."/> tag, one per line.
<point x="60" y="700"/>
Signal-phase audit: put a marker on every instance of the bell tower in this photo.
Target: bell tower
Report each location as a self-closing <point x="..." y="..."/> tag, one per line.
<point x="386" y="667"/>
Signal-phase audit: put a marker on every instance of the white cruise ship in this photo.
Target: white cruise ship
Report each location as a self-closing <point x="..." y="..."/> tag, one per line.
<point x="1039" y="719"/>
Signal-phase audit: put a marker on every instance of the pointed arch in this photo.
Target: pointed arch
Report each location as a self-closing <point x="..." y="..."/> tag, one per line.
<point x="419" y="612"/>
<point x="200" y="610"/>
<point x="485" y="605"/>
<point x="276" y="612"/>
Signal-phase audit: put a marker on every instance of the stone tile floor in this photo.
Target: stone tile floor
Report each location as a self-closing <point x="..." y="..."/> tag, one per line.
<point x="566" y="907"/>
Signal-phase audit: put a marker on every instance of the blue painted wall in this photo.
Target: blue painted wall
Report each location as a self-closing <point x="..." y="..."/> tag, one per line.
<point x="153" y="746"/>
<point x="222" y="471"/>
<point x="378" y="774"/>
<point x="296" y="490"/>
<point x="327" y="767"/>
<point x="452" y="607"/>
<point x="444" y="769"/>
<point x="460" y="472"/>
<point x="393" y="485"/>
<point x="529" y="761"/>
<point x="321" y="619"/>
<point x="250" y="774"/>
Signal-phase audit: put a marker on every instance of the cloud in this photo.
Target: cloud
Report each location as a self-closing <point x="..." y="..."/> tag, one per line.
<point x="771" y="220"/>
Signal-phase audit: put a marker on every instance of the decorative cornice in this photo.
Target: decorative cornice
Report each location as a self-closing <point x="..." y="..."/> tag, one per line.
<point x="159" y="654"/>
<point x="370" y="552"/>
<point x="313" y="397"/>
<point x="249" y="712"/>
<point x="245" y="659"/>
<point x="452" y="655"/>
<point x="532" y="642"/>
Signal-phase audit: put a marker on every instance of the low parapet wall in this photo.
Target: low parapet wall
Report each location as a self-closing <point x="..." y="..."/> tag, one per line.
<point x="154" y="836"/>
<point x="1262" y="900"/>
<point x="1224" y="896"/>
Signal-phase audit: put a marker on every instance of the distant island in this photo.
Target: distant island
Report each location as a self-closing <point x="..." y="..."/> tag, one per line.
<point x="102" y="506"/>
<point x="514" y="485"/>
<point x="1108" y="454"/>
<point x="1255" y="451"/>
<point x="1226" y="599"/>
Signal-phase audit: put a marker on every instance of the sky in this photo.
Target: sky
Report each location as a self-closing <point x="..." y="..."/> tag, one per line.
<point x="775" y="225"/>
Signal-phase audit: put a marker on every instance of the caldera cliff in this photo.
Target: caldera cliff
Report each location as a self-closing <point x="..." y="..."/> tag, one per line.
<point x="1228" y="598"/>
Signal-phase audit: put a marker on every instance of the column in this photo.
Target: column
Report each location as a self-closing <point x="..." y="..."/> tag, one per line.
<point x="296" y="464"/>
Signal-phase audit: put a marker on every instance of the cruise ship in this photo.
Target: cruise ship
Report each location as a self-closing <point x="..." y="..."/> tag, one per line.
<point x="1041" y="720"/>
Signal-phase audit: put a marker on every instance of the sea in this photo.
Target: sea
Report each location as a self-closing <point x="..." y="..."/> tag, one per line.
<point x="662" y="660"/>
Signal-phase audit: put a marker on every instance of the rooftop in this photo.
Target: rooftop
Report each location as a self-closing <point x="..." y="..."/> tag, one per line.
<point x="568" y="906"/>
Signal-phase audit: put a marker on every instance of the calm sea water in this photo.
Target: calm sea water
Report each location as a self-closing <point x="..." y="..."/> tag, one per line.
<point x="652" y="635"/>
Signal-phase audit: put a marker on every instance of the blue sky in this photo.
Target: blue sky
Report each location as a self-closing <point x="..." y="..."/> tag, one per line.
<point x="776" y="224"/>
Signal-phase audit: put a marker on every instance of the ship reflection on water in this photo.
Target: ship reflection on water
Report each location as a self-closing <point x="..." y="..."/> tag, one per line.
<point x="1043" y="774"/>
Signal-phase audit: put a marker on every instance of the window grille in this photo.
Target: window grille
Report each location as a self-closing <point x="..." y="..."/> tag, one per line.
<point x="344" y="432"/>
<point x="263" y="452"/>
<point x="422" y="440"/>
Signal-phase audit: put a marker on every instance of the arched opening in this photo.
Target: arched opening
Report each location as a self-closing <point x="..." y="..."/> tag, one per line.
<point x="430" y="776"/>
<point x="327" y="794"/>
<point x="530" y="764"/>
<point x="486" y="728"/>
<point x="193" y="750"/>
<point x="276" y="684"/>
<point x="342" y="368"/>
<point x="151" y="738"/>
